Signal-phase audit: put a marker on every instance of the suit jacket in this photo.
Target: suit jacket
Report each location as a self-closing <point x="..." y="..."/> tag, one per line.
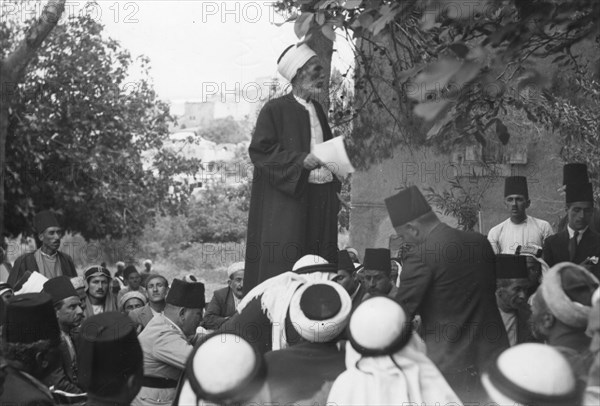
<point x="24" y="390"/>
<point x="556" y="249"/>
<point x="359" y="296"/>
<point x="450" y="281"/>
<point x="64" y="378"/>
<point x="141" y="316"/>
<point x="523" y="326"/>
<point x="27" y="262"/>
<point x="220" y="308"/>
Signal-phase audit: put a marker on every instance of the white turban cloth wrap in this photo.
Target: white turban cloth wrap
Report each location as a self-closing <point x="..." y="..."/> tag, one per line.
<point x="295" y="58"/>
<point x="571" y="313"/>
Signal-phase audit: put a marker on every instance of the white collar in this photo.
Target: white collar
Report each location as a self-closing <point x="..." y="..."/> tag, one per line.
<point x="522" y="222"/>
<point x="572" y="232"/>
<point x="303" y="102"/>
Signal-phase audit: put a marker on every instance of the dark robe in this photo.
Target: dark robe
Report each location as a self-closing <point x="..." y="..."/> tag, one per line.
<point x="304" y="373"/>
<point x="556" y="249"/>
<point x="288" y="217"/>
<point x="450" y="281"/>
<point x="256" y="328"/>
<point x="27" y="262"/>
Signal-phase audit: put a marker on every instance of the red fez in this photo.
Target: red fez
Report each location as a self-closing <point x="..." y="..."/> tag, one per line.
<point x="43" y="220"/>
<point x="511" y="267"/>
<point x="345" y="262"/>
<point x="60" y="288"/>
<point x="516" y="185"/>
<point x="185" y="294"/>
<point x="109" y="352"/>
<point x="30" y="317"/>
<point x="579" y="192"/>
<point x="575" y="173"/>
<point x="378" y="259"/>
<point x="407" y="205"/>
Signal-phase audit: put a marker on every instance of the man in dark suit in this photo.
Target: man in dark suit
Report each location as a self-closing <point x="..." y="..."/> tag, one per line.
<point x="448" y="277"/>
<point x="578" y="243"/>
<point x="47" y="259"/>
<point x="69" y="315"/>
<point x="512" y="293"/>
<point x="225" y="301"/>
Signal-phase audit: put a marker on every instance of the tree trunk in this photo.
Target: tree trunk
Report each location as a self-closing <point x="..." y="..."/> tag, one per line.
<point x="324" y="49"/>
<point x="12" y="70"/>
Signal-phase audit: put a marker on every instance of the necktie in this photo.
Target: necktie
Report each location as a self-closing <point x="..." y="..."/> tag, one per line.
<point x="573" y="246"/>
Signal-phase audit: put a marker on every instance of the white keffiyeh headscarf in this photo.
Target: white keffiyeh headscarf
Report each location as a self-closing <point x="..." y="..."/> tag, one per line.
<point x="276" y="295"/>
<point x="405" y="377"/>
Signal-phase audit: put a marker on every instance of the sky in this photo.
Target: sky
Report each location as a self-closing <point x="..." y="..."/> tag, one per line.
<point x="198" y="47"/>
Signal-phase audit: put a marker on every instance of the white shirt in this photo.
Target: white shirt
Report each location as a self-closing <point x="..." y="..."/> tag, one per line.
<point x="510" y="323"/>
<point x="318" y="175"/>
<point x="507" y="236"/>
<point x="572" y="233"/>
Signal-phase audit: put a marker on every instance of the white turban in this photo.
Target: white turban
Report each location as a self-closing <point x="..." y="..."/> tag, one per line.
<point x="565" y="309"/>
<point x="293" y="59"/>
<point x="236" y="266"/>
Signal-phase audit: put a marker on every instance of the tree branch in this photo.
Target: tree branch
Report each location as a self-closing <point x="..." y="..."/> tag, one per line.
<point x="16" y="62"/>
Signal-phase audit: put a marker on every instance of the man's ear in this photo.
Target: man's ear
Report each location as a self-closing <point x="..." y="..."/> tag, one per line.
<point x="41" y="360"/>
<point x="412" y="229"/>
<point x="548" y="320"/>
<point x="527" y="204"/>
<point x="182" y="313"/>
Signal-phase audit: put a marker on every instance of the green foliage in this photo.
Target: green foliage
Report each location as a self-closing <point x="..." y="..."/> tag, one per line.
<point x="220" y="214"/>
<point x="577" y="119"/>
<point x="431" y="70"/>
<point x="225" y="131"/>
<point x="77" y="131"/>
<point x="458" y="202"/>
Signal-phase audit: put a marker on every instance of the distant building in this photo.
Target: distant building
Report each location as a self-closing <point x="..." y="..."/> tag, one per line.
<point x="196" y="114"/>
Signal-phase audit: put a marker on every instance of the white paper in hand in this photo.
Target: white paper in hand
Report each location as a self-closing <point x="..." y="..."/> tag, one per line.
<point x="333" y="153"/>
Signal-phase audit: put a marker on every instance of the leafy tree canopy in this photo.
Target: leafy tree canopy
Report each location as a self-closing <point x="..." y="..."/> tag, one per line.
<point x="441" y="71"/>
<point x="77" y="128"/>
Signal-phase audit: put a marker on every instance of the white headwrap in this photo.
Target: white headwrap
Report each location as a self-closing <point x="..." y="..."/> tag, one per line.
<point x="130" y="295"/>
<point x="276" y="295"/>
<point x="560" y="305"/>
<point x="596" y="296"/>
<point x="405" y="377"/>
<point x="236" y="266"/>
<point x="293" y="59"/>
<point x="515" y="378"/>
<point x="320" y="331"/>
